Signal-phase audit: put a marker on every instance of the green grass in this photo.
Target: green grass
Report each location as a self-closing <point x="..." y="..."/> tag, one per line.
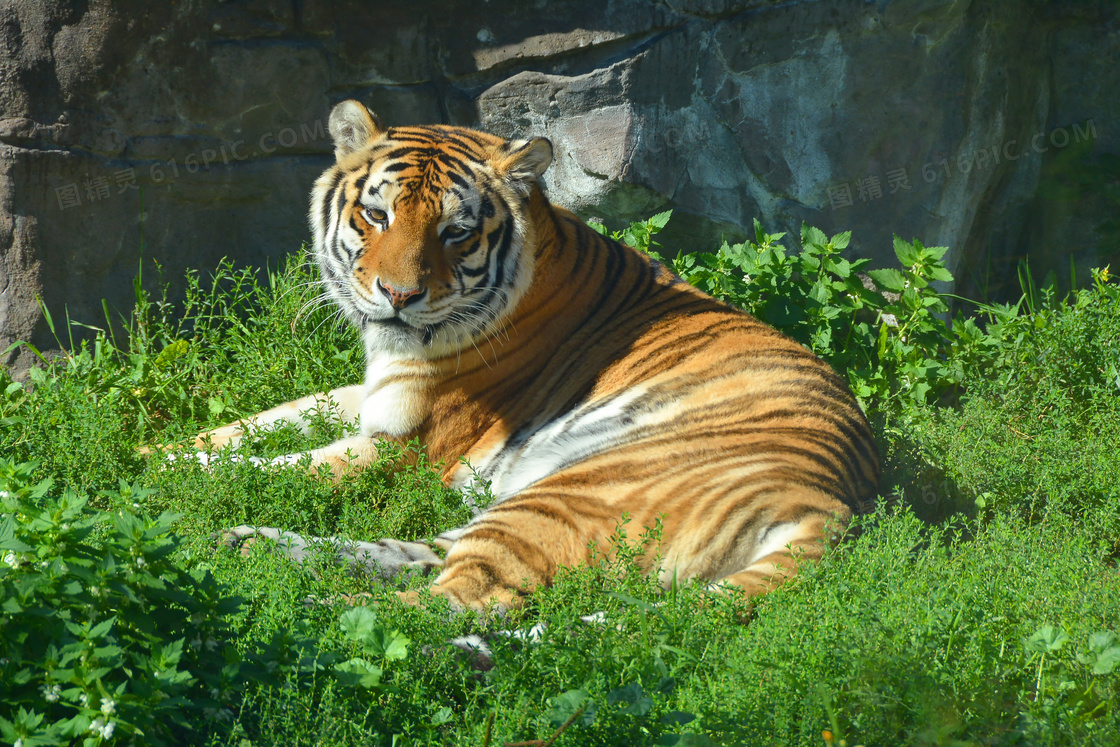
<point x="970" y="608"/>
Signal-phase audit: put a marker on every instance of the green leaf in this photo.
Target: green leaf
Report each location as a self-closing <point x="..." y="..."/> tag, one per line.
<point x="170" y="654"/>
<point x="634" y="701"/>
<point x="1106" y="652"/>
<point x="908" y="255"/>
<point x="358" y="623"/>
<point x="812" y="235"/>
<point x="888" y="279"/>
<point x="659" y="221"/>
<point x="358" y="672"/>
<point x="103" y="627"/>
<point x="759" y="232"/>
<point x="391" y="645"/>
<point x="937" y="272"/>
<point x="841" y="240"/>
<point x="1045" y="640"/>
<point x="564" y="706"/>
<point x="934" y="252"/>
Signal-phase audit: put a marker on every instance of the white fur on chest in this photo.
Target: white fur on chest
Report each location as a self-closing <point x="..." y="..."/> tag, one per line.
<point x="396" y="399"/>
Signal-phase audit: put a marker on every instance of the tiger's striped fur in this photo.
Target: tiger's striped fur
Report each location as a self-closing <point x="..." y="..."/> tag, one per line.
<point x="583" y="380"/>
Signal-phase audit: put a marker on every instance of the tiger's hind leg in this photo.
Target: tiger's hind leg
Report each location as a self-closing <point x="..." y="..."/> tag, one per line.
<point x="778" y="552"/>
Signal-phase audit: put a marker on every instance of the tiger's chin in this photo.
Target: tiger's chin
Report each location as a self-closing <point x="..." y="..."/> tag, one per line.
<point x="394" y="336"/>
<point x="397" y="337"/>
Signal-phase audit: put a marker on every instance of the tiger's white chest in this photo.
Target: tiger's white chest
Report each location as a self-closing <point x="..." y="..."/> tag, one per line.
<point x="396" y="399"/>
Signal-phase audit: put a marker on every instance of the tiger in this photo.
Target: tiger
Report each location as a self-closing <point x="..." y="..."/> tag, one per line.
<point x="579" y="380"/>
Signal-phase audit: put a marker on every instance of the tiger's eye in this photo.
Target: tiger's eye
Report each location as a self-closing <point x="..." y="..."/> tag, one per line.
<point x="375" y="217"/>
<point x="454" y="233"/>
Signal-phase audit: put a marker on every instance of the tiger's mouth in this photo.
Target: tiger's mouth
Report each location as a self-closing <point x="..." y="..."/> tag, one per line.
<point x="395" y="322"/>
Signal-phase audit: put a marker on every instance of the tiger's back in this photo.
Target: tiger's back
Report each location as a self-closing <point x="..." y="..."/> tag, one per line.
<point x="581" y="379"/>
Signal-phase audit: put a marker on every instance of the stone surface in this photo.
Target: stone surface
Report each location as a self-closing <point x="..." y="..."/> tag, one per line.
<point x="985" y="126"/>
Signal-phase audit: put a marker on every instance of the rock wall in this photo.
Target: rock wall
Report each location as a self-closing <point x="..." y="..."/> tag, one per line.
<point x="184" y="132"/>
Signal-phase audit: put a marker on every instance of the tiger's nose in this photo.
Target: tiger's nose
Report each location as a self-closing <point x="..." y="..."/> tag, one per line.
<point x="399" y="298"/>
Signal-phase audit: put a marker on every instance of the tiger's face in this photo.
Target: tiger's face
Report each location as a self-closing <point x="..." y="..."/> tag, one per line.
<point x="422" y="234"/>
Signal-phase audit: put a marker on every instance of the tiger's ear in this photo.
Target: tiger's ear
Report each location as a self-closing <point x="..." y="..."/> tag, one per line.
<point x="524" y="160"/>
<point x="353" y="127"/>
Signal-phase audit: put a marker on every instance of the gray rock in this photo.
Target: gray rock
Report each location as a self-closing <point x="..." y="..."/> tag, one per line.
<point x="984" y="126"/>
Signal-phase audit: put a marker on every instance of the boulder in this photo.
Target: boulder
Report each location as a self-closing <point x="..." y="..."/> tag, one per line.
<point x="135" y="134"/>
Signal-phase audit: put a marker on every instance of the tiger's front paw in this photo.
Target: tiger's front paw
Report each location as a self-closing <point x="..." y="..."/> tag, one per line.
<point x="207" y="441"/>
<point x="218" y="438"/>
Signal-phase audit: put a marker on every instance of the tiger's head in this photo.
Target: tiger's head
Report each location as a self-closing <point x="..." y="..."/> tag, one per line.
<point x="423" y="235"/>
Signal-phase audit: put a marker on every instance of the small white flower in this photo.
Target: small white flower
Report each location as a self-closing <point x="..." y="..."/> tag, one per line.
<point x="140" y="563"/>
<point x="5" y="494"/>
<point x="52" y="694"/>
<point x="108" y="706"/>
<point x="102" y="729"/>
<point x="10" y="559"/>
<point x="18" y="742"/>
<point x="84" y="699"/>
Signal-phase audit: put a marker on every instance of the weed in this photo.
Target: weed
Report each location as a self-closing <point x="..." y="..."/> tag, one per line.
<point x="994" y="624"/>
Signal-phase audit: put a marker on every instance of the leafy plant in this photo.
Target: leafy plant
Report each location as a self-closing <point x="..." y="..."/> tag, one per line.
<point x="104" y="628"/>
<point x="908" y="633"/>
<point x="639" y="234"/>
<point x="879" y="327"/>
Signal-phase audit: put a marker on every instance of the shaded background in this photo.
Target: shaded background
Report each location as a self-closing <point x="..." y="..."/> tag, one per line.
<point x="178" y="133"/>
